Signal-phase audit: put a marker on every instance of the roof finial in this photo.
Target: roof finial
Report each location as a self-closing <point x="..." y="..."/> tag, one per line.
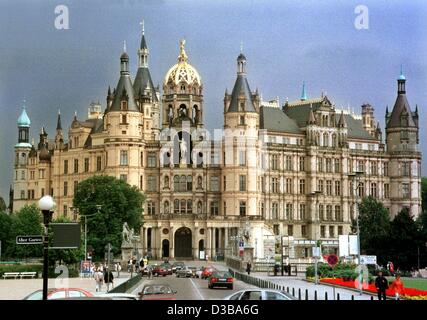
<point x="124" y="45"/>
<point x="241" y="46"/>
<point x="142" y="24"/>
<point x="401" y="76"/>
<point x="182" y="55"/>
<point x="303" y="93"/>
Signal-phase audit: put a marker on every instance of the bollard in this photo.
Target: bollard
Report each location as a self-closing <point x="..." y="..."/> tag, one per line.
<point x="299" y="293"/>
<point x="293" y="292"/>
<point x="315" y="294"/>
<point x="352" y="297"/>
<point x="306" y="294"/>
<point x="338" y="296"/>
<point x="326" y="296"/>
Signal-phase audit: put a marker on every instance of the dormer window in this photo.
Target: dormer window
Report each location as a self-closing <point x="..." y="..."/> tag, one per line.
<point x="182" y="88"/>
<point x="124" y="105"/>
<point x="242" y="106"/>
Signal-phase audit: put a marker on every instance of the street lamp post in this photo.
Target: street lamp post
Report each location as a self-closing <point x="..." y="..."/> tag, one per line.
<point x="316" y="220"/>
<point x="356" y="175"/>
<point x="46" y="205"/>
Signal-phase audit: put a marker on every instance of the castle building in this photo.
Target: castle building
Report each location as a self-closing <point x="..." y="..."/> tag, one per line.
<point x="271" y="171"/>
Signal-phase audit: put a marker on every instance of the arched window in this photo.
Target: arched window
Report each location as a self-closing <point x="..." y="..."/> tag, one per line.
<point x="189" y="183"/>
<point x="176" y="183"/>
<point x="334" y="140"/>
<point x="183" y="206"/>
<point x="189" y="206"/>
<point x="325" y="140"/>
<point x="166" y="182"/>
<point x="182" y="183"/>
<point x="176" y="206"/>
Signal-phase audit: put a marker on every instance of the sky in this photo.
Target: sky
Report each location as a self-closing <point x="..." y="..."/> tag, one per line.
<point x="285" y="43"/>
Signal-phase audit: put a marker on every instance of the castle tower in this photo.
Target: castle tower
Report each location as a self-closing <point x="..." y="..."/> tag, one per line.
<point x="405" y="157"/>
<point x="59" y="137"/>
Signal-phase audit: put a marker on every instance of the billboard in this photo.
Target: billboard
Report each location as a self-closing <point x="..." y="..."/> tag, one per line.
<point x="353" y="246"/>
<point x="343" y="245"/>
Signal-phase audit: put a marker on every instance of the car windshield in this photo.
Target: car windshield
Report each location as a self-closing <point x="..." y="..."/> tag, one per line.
<point x="157" y="290"/>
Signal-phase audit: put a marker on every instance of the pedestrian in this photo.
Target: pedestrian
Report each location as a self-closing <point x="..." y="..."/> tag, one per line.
<point x="248" y="267"/>
<point x="398" y="288"/>
<point x="381" y="284"/>
<point x="99" y="279"/>
<point x="119" y="268"/>
<point x="108" y="278"/>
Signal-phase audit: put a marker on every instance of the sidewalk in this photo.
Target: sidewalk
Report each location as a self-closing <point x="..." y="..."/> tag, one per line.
<point x="11" y="289"/>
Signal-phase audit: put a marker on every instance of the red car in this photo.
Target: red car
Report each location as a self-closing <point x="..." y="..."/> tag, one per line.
<point x="160" y="271"/>
<point x="157" y="292"/>
<point x="207" y="272"/>
<point x="59" y="293"/>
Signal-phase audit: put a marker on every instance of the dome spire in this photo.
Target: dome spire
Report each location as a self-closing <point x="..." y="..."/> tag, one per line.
<point x="24" y="120"/>
<point x="142" y="24"/>
<point x="182" y="55"/>
<point x="304" y="92"/>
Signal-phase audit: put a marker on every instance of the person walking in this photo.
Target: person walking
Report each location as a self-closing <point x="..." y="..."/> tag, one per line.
<point x="381" y="284"/>
<point x="119" y="268"/>
<point x="248" y="267"/>
<point x="108" y="278"/>
<point x="99" y="279"/>
<point x="398" y="288"/>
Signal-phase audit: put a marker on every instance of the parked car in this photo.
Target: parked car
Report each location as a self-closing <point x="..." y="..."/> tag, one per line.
<point x="177" y="266"/>
<point x="159" y="270"/>
<point x="167" y="266"/>
<point x="199" y="272"/>
<point x="157" y="292"/>
<point x="59" y="293"/>
<point x="259" y="294"/>
<point x="185" y="272"/>
<point x="207" y="271"/>
<point x="220" y="279"/>
<point x="193" y="271"/>
<point x="118" y="296"/>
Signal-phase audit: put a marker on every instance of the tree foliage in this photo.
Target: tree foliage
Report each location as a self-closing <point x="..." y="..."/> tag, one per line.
<point x="5" y="231"/>
<point x="2" y="205"/>
<point x="27" y="221"/>
<point x="119" y="203"/>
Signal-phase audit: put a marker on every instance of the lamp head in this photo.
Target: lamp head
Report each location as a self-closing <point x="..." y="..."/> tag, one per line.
<point x="46" y="203"/>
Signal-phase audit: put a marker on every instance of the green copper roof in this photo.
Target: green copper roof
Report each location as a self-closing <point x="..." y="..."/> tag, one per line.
<point x="24" y="120"/>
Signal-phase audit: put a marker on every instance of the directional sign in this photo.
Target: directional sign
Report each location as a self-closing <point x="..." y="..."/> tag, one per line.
<point x="29" y="239"/>
<point x="332" y="260"/>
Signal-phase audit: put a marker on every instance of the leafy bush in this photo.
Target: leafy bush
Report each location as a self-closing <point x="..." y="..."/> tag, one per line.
<point x="38" y="268"/>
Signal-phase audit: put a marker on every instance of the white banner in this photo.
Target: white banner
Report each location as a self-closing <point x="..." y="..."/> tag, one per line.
<point x="353" y="247"/>
<point x="343" y="245"/>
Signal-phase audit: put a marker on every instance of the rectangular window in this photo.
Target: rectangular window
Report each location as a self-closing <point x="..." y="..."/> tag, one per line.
<point x="65" y="210"/>
<point x="262" y="184"/>
<point x="338" y="215"/>
<point x="304" y="231"/>
<point x="151" y="208"/>
<point x="340" y="231"/>
<point x="86" y="164"/>
<point x="386" y="190"/>
<point x="337" y="165"/>
<point x="322" y="231"/>
<point x="275" y="211"/>
<point x="225" y="183"/>
<point x="151" y="181"/>
<point x="405" y="191"/>
<point x="32" y="175"/>
<point x="288" y="163"/>
<point x="141" y="181"/>
<point x="242" y="208"/>
<point x="288" y="211"/>
<point x="262" y="209"/>
<point x="321" y="212"/>
<point x="42" y="192"/>
<point x="328" y="165"/>
<point x="65" y="166"/>
<point x="337" y="188"/>
<point x="22" y="194"/>
<point x="124" y="177"/>
<point x="329" y="212"/>
<point x="274" y="162"/>
<point x="225" y="208"/>
<point x="76" y="165"/>
<point x="302" y="186"/>
<point x="214" y="208"/>
<point x="361" y="190"/>
<point x="374" y="192"/>
<point x="361" y="166"/>
<point x="288" y="189"/>
<point x="123" y="158"/>
<point x="320" y="186"/>
<point x="242" y="158"/>
<point x="301" y="164"/>
<point x="75" y="187"/>
<point x="242" y="183"/>
<point x="406" y="169"/>
<point x="275" y="185"/>
<point x="98" y="163"/>
<point x="302" y="212"/>
<point x="152" y="160"/>
<point x="320" y="164"/>
<point x="65" y="188"/>
<point x="374" y="168"/>
<point x="276" y="229"/>
<point x="290" y="230"/>
<point x="331" y="232"/>
<point x="215" y="184"/>
<point x="328" y="187"/>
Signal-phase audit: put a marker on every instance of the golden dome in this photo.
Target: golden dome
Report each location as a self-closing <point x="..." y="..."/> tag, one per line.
<point x="183" y="71"/>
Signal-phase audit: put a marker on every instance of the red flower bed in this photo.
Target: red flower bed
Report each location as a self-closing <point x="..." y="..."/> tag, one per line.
<point x="371" y="287"/>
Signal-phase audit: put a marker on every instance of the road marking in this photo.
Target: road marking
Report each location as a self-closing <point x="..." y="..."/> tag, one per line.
<point x="197" y="289"/>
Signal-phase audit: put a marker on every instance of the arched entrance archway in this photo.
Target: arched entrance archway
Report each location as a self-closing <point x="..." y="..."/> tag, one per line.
<point x="183" y="243"/>
<point x="165" y="248"/>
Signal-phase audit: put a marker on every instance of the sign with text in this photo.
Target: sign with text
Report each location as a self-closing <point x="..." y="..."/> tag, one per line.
<point x="368" y="259"/>
<point x="29" y="239"/>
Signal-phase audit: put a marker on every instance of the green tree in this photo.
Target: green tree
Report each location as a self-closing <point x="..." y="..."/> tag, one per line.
<point x="374" y="224"/>
<point x="2" y="205"/>
<point x="5" y="231"/>
<point x="404" y="239"/>
<point x="27" y="221"/>
<point x="65" y="256"/>
<point x="119" y="203"/>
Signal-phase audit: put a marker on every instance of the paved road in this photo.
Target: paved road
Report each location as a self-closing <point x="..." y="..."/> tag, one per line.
<point x="192" y="288"/>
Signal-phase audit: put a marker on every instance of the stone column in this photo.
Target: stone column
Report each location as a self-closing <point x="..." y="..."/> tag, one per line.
<point x="213" y="246"/>
<point x="226" y="238"/>
<point x="195" y="243"/>
<point x="171" y="242"/>
<point x="208" y="243"/>
<point x="159" y="242"/>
